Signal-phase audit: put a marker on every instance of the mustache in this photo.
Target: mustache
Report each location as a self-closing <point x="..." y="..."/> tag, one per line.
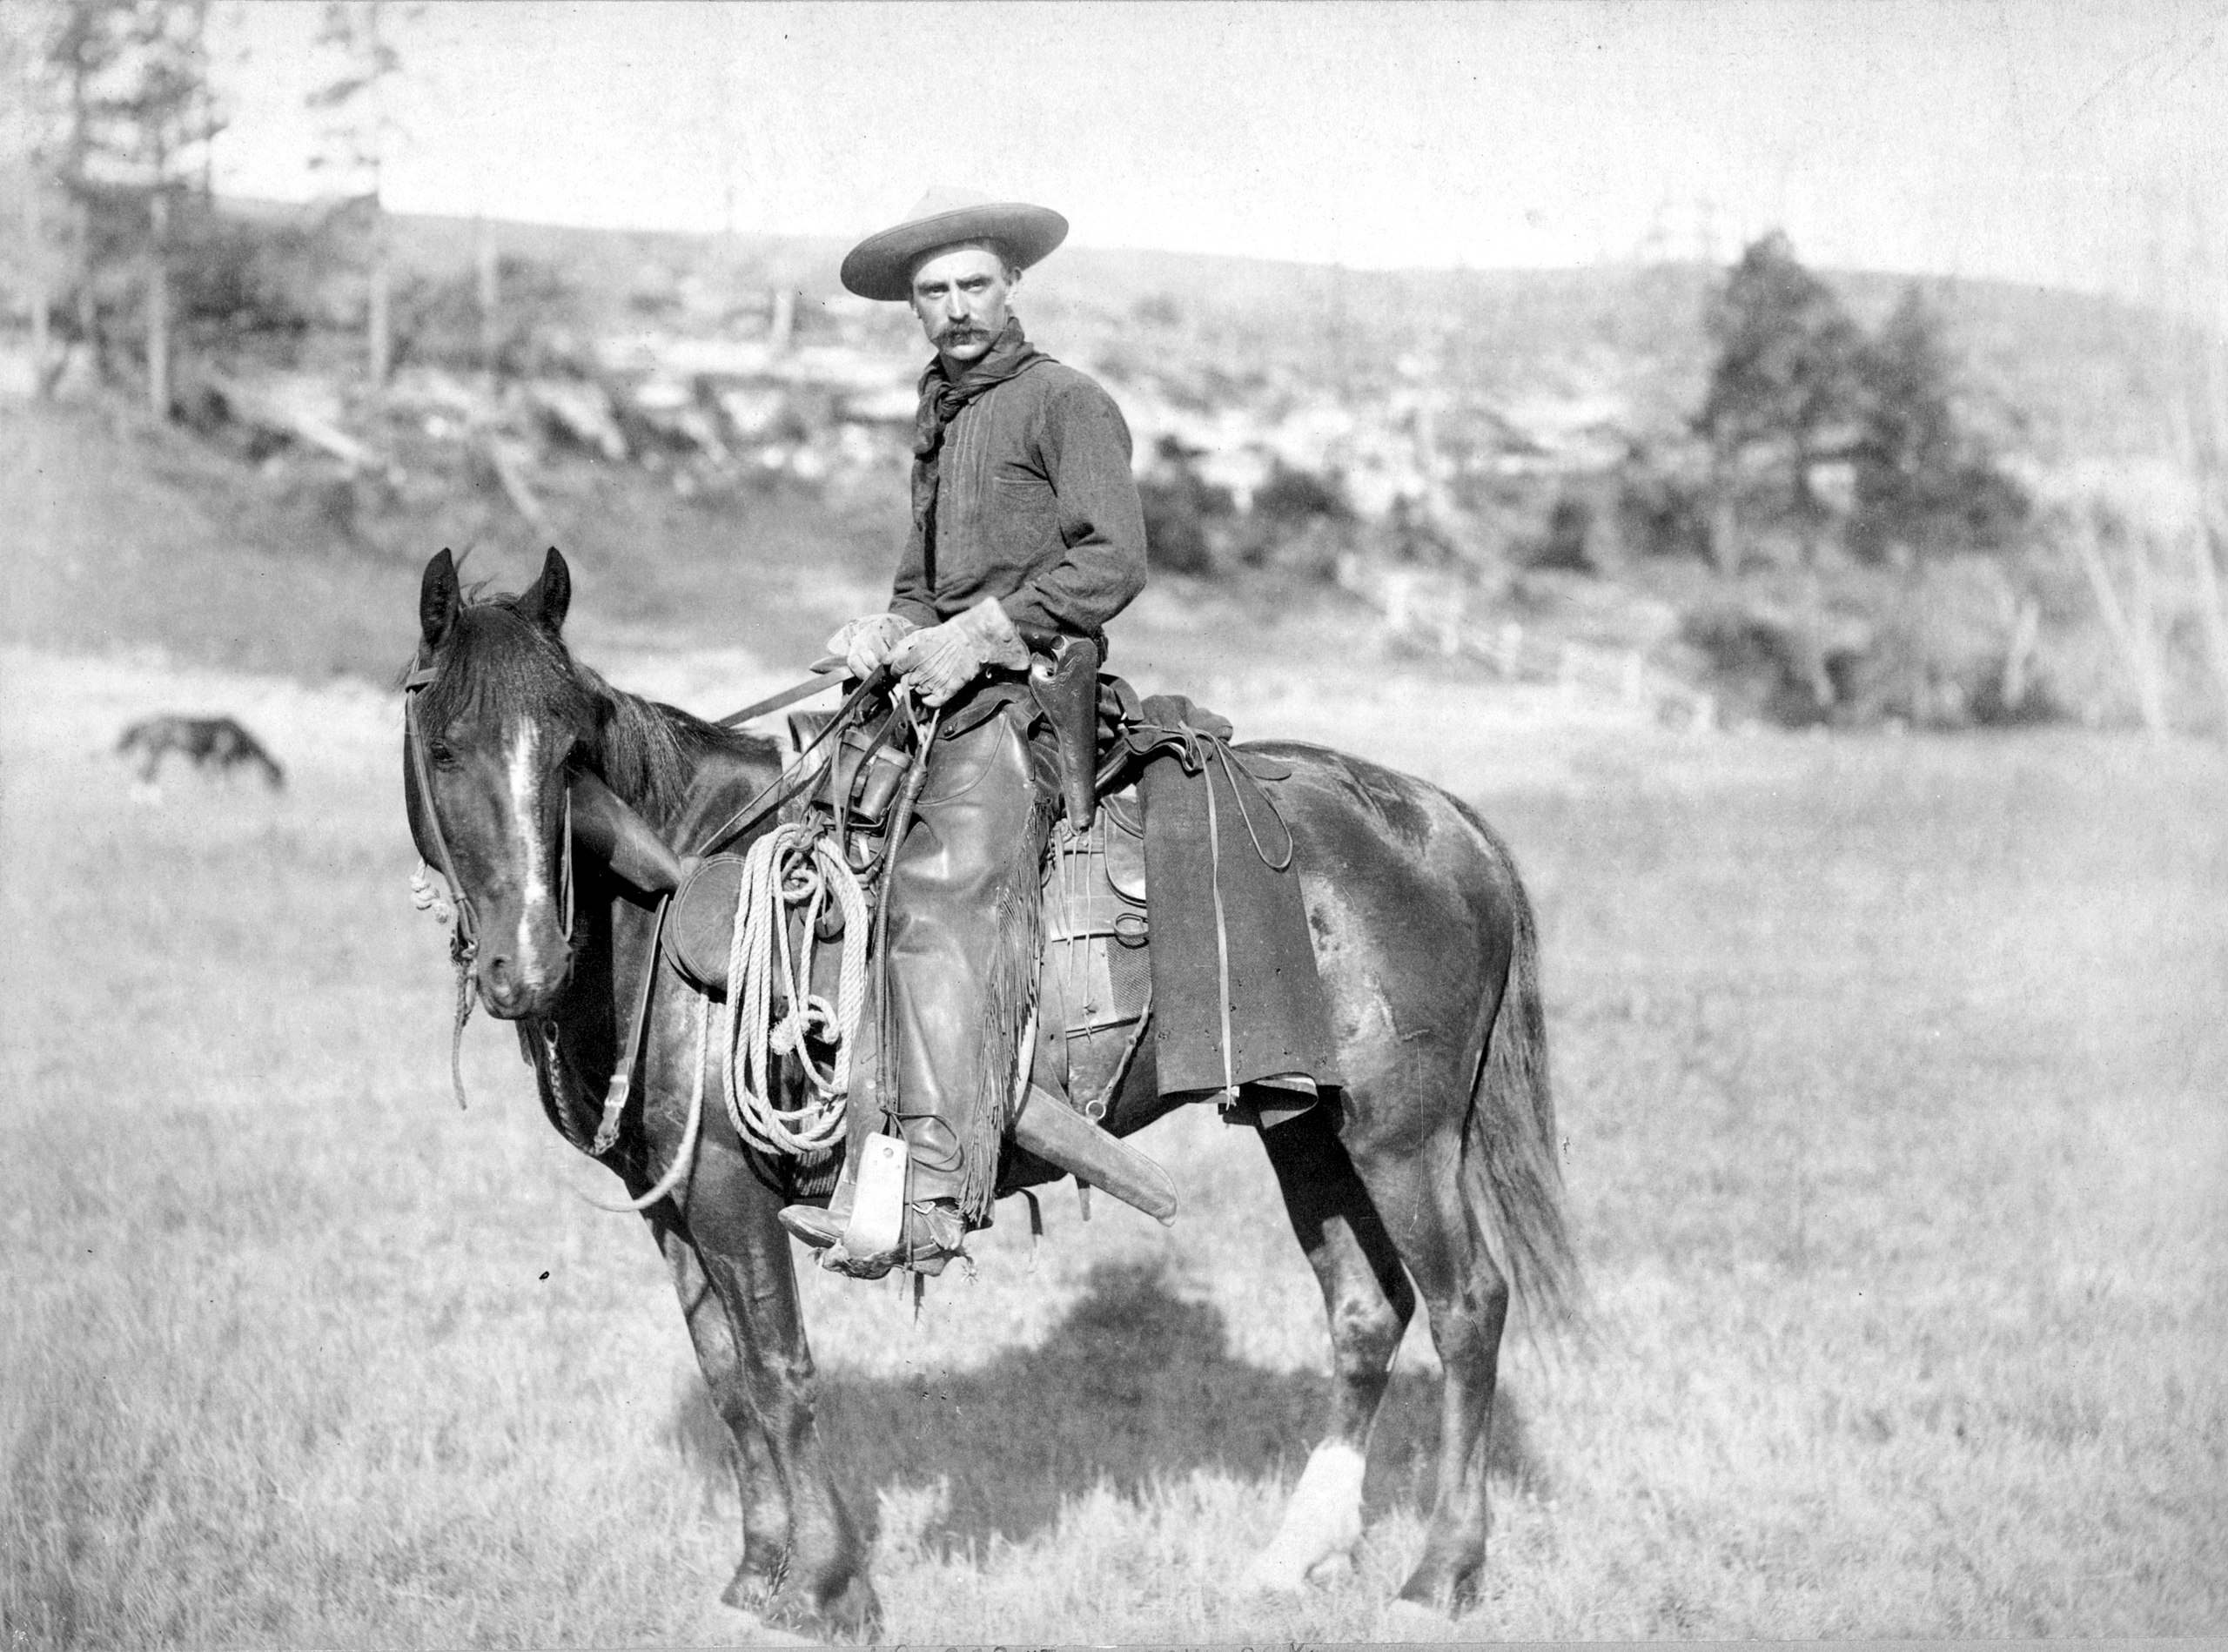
<point x="959" y="332"/>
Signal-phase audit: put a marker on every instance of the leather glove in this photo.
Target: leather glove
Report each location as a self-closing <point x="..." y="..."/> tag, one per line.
<point x="866" y="643"/>
<point x="938" y="662"/>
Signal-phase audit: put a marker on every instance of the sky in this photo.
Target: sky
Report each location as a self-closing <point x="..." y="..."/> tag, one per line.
<point x="2061" y="144"/>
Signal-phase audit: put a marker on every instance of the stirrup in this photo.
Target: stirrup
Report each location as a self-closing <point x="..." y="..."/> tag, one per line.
<point x="934" y="1233"/>
<point x="816" y="1226"/>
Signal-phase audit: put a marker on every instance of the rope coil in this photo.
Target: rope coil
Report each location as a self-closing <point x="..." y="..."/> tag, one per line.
<point x="791" y="866"/>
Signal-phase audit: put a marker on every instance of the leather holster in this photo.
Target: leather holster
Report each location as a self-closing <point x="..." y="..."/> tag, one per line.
<point x="1063" y="680"/>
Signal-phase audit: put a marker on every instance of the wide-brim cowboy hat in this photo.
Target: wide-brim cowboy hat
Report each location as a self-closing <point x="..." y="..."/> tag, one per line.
<point x="882" y="266"/>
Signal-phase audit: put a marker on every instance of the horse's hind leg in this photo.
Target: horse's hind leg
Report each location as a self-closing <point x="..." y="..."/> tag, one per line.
<point x="765" y="1506"/>
<point x="1419" y="1188"/>
<point x="1369" y="1301"/>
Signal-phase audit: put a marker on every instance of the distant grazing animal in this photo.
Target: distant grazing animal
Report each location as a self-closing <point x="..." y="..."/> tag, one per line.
<point x="1433" y="1173"/>
<point x="208" y="742"/>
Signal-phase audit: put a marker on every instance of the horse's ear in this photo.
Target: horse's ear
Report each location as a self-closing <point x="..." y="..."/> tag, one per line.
<point x="438" y="599"/>
<point x="546" y="601"/>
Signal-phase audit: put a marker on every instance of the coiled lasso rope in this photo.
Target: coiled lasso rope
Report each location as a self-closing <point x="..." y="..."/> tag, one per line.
<point x="791" y="866"/>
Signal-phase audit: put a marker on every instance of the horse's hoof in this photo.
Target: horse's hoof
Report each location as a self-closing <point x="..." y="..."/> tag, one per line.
<point x="1272" y="1573"/>
<point x="1438" y="1592"/>
<point x="725" y="1626"/>
<point x="1332" y="1568"/>
<point x="851" y="1613"/>
<point x="748" y="1589"/>
<point x="1406" y="1619"/>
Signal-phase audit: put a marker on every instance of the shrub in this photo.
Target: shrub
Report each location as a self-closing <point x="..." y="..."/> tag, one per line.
<point x="1179" y="506"/>
<point x="1292" y="496"/>
<point x="1768" y="665"/>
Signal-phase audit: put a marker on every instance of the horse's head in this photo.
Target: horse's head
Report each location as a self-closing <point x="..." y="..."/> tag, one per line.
<point x="502" y="712"/>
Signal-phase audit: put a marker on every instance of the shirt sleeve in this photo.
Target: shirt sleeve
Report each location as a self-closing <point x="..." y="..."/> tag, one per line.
<point x="1085" y="445"/>
<point x="909" y="597"/>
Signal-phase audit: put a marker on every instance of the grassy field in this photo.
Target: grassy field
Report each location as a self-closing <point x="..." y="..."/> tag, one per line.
<point x="1893" y="1073"/>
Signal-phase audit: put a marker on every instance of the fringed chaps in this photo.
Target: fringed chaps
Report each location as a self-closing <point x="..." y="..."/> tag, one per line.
<point x="1008" y="995"/>
<point x="965" y="922"/>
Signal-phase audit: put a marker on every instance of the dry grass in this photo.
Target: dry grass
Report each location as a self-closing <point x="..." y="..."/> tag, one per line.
<point x="1893" y="1079"/>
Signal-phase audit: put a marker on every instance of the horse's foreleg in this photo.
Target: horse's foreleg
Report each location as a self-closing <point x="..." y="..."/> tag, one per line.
<point x="1369" y="1302"/>
<point x="765" y="1506"/>
<point x="1439" y="1237"/>
<point x="747" y="1259"/>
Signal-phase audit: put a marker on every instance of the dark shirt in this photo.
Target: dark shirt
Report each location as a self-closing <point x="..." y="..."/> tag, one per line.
<point x="1035" y="506"/>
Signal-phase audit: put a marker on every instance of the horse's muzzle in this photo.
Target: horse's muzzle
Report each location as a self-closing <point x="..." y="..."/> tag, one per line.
<point x="512" y="991"/>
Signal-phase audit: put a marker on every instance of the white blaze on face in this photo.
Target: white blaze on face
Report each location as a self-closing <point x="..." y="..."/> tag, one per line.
<point x="533" y="860"/>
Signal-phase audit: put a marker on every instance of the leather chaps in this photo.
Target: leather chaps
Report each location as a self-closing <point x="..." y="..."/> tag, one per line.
<point x="959" y="970"/>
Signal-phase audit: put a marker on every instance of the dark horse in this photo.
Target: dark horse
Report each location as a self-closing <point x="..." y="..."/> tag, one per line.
<point x="1435" y="1171"/>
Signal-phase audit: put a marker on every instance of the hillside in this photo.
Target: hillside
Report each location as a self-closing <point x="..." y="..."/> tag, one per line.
<point x="2079" y="374"/>
<point x="142" y="541"/>
<point x="718" y="437"/>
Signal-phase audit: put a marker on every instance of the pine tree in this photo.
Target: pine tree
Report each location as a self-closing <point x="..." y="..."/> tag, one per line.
<point x="359" y="134"/>
<point x="1785" y="391"/>
<point x="132" y="114"/>
<point x="1924" y="481"/>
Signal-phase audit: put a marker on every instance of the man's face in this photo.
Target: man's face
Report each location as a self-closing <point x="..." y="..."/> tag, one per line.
<point x="960" y="296"/>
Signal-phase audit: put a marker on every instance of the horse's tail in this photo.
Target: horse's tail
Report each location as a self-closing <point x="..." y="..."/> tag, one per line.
<point x="1512" y="1168"/>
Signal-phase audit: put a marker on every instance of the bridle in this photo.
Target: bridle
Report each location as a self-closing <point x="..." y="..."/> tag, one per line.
<point x="464" y="939"/>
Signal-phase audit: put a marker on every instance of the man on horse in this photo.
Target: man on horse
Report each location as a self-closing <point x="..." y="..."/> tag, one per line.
<point x="1027" y="538"/>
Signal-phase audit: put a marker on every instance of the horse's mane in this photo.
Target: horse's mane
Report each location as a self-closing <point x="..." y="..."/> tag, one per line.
<point x="648" y="751"/>
<point x="496" y="662"/>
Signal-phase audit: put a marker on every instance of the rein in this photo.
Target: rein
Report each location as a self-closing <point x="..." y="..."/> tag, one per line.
<point x="464" y="939"/>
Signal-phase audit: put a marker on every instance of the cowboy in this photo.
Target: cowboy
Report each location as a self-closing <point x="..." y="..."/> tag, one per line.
<point x="1026" y="529"/>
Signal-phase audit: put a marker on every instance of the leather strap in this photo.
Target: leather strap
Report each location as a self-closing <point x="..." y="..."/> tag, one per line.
<point x="800" y="779"/>
<point x="468" y="920"/>
<point x="630" y="1051"/>
<point x="1222" y="930"/>
<point x="824" y="674"/>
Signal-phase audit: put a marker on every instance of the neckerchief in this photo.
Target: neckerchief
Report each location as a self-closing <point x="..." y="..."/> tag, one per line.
<point x="941" y="400"/>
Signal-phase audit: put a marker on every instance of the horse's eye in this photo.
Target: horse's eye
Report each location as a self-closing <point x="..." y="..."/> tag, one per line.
<point x="440" y="754"/>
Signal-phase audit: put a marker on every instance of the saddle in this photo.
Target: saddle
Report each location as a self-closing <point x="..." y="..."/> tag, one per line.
<point x="1174" y="938"/>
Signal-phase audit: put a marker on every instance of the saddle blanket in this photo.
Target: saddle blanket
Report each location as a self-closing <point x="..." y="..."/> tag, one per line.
<point x="1224" y="907"/>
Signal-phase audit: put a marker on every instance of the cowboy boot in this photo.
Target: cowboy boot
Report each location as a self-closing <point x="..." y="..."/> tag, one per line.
<point x="931" y="1232"/>
<point x="931" y="1229"/>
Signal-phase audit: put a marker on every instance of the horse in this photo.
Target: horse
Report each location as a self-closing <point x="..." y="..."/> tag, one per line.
<point x="207" y="742"/>
<point x="1433" y="1173"/>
